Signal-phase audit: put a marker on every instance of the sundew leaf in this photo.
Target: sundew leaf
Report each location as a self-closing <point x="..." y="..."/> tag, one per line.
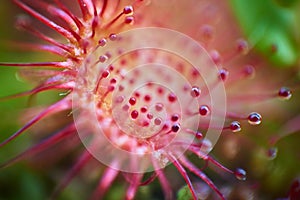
<point x="184" y="194"/>
<point x="287" y="3"/>
<point x="270" y="28"/>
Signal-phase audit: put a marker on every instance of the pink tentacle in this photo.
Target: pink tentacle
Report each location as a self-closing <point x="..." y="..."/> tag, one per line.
<point x="61" y="105"/>
<point x="64" y="65"/>
<point x="183" y="172"/>
<point x="104" y="6"/>
<point x="163" y="181"/>
<point x="165" y="185"/>
<point x="46" y="21"/>
<point x="41" y="47"/>
<point x="133" y="187"/>
<point x="86" y="8"/>
<point x="81" y="162"/>
<point x="149" y="180"/>
<point x="105" y="182"/>
<point x="201" y="175"/>
<point x="22" y="23"/>
<point x="41" y="88"/>
<point x="45" y="144"/>
<point x="66" y="10"/>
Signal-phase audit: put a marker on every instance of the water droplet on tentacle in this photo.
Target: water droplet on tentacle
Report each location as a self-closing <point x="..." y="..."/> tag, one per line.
<point x="235" y="126"/>
<point x="240" y="174"/>
<point x="195" y="92"/>
<point x="285" y="93"/>
<point x="272" y="153"/>
<point x="254" y="118"/>
<point x="175" y="128"/>
<point x="204" y="110"/>
<point x="134" y="114"/>
<point x="223" y="74"/>
<point x="102" y="42"/>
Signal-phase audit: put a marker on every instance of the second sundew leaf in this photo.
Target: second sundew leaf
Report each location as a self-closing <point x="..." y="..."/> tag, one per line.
<point x="270" y="28"/>
<point x="286" y="3"/>
<point x="184" y="194"/>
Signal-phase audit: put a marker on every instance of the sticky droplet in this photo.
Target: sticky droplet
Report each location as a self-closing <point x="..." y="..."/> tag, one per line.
<point x="254" y="118"/>
<point x="272" y="153"/>
<point x="235" y="126"/>
<point x="240" y="174"/>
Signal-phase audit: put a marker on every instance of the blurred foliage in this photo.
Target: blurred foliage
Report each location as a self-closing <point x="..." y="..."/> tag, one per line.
<point x="287" y="3"/>
<point x="18" y="181"/>
<point x="270" y="25"/>
<point x="265" y="22"/>
<point x="21" y="183"/>
<point x="184" y="194"/>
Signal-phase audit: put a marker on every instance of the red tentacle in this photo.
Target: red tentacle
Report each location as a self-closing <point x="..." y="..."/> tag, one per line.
<point x="201" y="175"/>
<point x="64" y="65"/>
<point x="43" y="145"/>
<point x="67" y="34"/>
<point x="85" y="9"/>
<point x="105" y="182"/>
<point x="163" y="181"/>
<point x="133" y="187"/>
<point x="41" y="88"/>
<point x="64" y="104"/>
<point x="81" y="162"/>
<point x="183" y="172"/>
<point x="66" y="10"/>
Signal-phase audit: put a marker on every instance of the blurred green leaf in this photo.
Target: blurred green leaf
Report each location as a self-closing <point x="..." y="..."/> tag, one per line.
<point x="184" y="194"/>
<point x="286" y="3"/>
<point x="32" y="187"/>
<point x="270" y="27"/>
<point x="116" y="191"/>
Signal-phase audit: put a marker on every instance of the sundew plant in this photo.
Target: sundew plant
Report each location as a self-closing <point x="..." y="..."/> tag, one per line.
<point x="147" y="99"/>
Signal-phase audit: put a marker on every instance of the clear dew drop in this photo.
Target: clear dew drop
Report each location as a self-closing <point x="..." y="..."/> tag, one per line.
<point x="132" y="101"/>
<point x="199" y="135"/>
<point x="240" y="174"/>
<point x="172" y="97"/>
<point x="103" y="58"/>
<point x="128" y="10"/>
<point x="223" y="74"/>
<point x="134" y="114"/>
<point x="105" y="74"/>
<point x="102" y="42"/>
<point x="129" y="20"/>
<point x="113" y="81"/>
<point x="235" y="126"/>
<point x="272" y="153"/>
<point x="284" y="93"/>
<point x="175" y="117"/>
<point x="149" y="116"/>
<point x="113" y="37"/>
<point x="195" y="92"/>
<point x="204" y="110"/>
<point x="254" y="118"/>
<point x="144" y="109"/>
<point x="175" y="128"/>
